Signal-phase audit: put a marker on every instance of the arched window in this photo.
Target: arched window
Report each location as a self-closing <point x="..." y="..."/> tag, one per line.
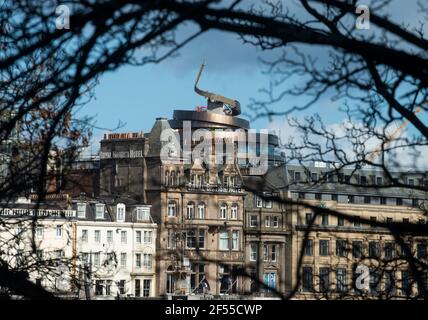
<point x="172" y="208"/>
<point x="234" y="211"/>
<point x="177" y="178"/>
<point x="201" y="210"/>
<point x="120" y="211"/>
<point x="166" y="177"/>
<point x="190" y="211"/>
<point x="223" y="211"/>
<point x="172" y="183"/>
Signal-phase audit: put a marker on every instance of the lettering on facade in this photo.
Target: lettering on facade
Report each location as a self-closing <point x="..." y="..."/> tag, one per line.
<point x="122" y="154"/>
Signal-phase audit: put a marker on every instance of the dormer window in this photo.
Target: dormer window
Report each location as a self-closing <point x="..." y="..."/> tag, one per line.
<point x="99" y="210"/>
<point x="120" y="210"/>
<point x="81" y="210"/>
<point x="143" y="213"/>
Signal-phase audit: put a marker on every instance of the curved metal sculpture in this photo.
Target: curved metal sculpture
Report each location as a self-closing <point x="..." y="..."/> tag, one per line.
<point x="218" y="102"/>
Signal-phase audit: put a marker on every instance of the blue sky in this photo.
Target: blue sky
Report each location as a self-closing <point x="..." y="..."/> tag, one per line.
<point x="137" y="95"/>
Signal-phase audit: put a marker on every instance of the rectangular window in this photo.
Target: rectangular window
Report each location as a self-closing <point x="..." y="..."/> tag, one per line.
<point x="351" y="199"/>
<point x="97" y="236"/>
<point x="191" y="239"/>
<point x="138" y="236"/>
<point x="357" y="220"/>
<point x="372" y="222"/>
<point x="340" y="221"/>
<point x="357" y="249"/>
<point x="123" y="237"/>
<point x="309" y="245"/>
<point x="171" y="239"/>
<point x="374" y="249"/>
<point x="307" y="279"/>
<point x="108" y="287"/>
<point x="399" y="201"/>
<point x="267" y="221"/>
<point x="379" y="181"/>
<point x="276" y="222"/>
<point x="389" y="250"/>
<point x="120" y="208"/>
<point x="123" y="259"/>
<point x="374" y="282"/>
<point x="235" y="240"/>
<point x="297" y="177"/>
<point x="224" y="240"/>
<point x="147" y="261"/>
<point x="324" y="219"/>
<point x="341" y="248"/>
<point x="97" y="257"/>
<point x="334" y="197"/>
<point x="341" y="284"/>
<point x="109" y="236"/>
<point x="308" y="218"/>
<point x="39" y="231"/>
<point x="273" y="253"/>
<point x="324" y="247"/>
<point x="318" y="196"/>
<point x="84" y="235"/>
<point x="85" y="258"/>
<point x="201" y="239"/>
<point x="99" y="211"/>
<point x="324" y="279"/>
<point x="406" y="288"/>
<point x="382" y="200"/>
<point x="137" y="287"/>
<point x="138" y="260"/>
<point x="59" y="231"/>
<point x="148" y="236"/>
<point x="143" y="214"/>
<point x="390" y="282"/>
<point x="253" y="221"/>
<point x="259" y="202"/>
<point x="81" y="210"/>
<point x="367" y="199"/>
<point x="363" y="180"/>
<point x="266" y="252"/>
<point x="253" y="251"/>
<point x="314" y="177"/>
<point x="389" y="220"/>
<point x="421" y="251"/>
<point x="268" y="204"/>
<point x="171" y="209"/>
<point x="121" y="287"/>
<point x="146" y="287"/>
<point x="99" y="284"/>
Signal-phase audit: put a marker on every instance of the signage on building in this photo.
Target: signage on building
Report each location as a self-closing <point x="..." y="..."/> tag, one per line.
<point x="121" y="154"/>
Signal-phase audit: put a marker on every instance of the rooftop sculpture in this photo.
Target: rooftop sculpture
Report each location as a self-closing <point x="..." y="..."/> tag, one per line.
<point x="218" y="103"/>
